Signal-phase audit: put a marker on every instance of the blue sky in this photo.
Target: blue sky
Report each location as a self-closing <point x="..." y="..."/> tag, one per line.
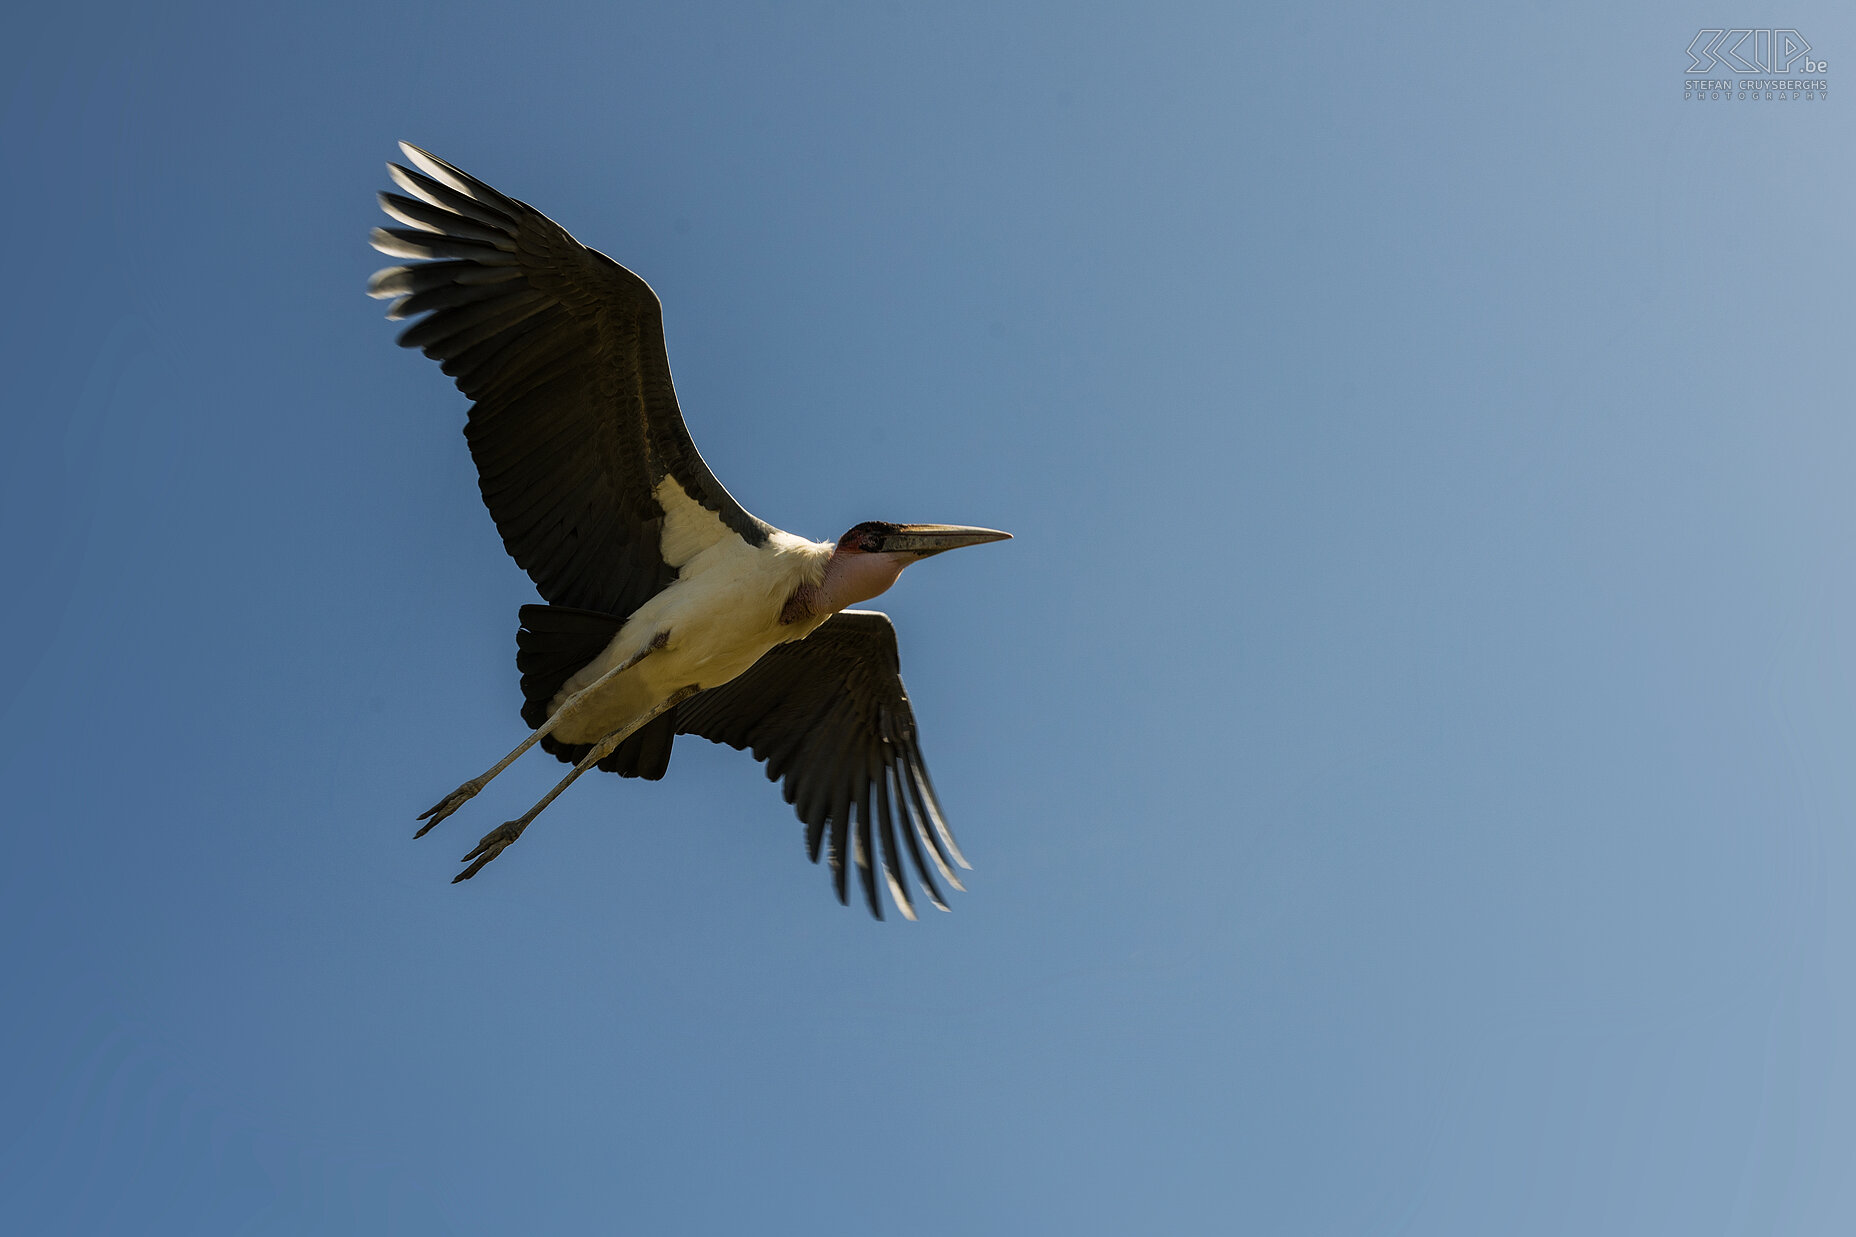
<point x="1404" y="753"/>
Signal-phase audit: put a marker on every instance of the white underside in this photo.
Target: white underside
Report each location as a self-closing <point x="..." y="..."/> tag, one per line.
<point x="719" y="617"/>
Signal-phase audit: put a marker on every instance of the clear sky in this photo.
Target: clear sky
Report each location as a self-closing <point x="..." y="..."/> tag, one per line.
<point x="1405" y="754"/>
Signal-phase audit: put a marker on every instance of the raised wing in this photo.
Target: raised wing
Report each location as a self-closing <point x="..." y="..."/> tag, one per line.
<point x="828" y="714"/>
<point x="574" y="423"/>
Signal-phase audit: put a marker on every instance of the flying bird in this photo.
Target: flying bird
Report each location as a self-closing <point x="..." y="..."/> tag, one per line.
<point x="671" y="610"/>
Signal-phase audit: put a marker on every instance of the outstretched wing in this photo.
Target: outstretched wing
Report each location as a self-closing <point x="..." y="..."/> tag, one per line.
<point x="574" y="423"/>
<point x="829" y="714"/>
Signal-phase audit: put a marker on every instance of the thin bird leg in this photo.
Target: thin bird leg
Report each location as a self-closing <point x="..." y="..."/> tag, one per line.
<point x="498" y="839"/>
<point x="463" y="794"/>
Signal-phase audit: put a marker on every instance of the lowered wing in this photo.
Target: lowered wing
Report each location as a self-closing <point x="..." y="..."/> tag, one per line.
<point x="830" y="716"/>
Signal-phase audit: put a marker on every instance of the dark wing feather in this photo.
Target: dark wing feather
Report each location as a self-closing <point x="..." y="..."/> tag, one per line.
<point x="574" y="421"/>
<point x="830" y="716"/>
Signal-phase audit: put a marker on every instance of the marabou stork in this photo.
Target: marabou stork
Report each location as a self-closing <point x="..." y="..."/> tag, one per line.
<point x="671" y="610"/>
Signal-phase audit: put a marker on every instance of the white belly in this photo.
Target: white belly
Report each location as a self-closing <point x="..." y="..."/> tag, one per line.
<point x="719" y="617"/>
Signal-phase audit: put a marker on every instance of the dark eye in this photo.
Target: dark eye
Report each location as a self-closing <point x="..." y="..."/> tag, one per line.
<point x="873" y="545"/>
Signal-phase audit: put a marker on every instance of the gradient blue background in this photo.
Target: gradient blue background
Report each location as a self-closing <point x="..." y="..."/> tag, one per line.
<point x="1406" y="753"/>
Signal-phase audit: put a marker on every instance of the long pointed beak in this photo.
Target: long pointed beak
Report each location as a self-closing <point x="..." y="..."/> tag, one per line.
<point x="925" y="539"/>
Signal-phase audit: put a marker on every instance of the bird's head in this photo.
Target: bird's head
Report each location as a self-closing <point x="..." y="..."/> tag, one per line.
<point x="870" y="556"/>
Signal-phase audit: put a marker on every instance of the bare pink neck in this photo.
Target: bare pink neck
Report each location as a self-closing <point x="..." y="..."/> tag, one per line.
<point x="851" y="576"/>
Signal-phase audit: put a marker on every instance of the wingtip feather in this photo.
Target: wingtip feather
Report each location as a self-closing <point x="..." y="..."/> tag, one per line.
<point x="379" y="286"/>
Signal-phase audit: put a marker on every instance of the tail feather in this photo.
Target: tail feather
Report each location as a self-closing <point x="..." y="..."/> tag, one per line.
<point x="553" y="643"/>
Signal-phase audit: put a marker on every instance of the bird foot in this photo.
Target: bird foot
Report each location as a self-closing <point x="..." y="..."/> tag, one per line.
<point x="493" y="844"/>
<point x="449" y="804"/>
